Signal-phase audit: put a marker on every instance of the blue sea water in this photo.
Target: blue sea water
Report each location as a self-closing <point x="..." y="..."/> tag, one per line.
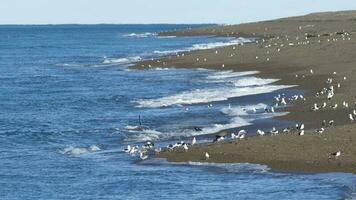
<point x="69" y="104"/>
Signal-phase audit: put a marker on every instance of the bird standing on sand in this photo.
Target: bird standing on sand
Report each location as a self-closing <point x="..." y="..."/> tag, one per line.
<point x="320" y="131"/>
<point x="336" y="154"/>
<point x="259" y="132"/>
<point x="351" y="117"/>
<point x="185" y="146"/>
<point x="301" y="133"/>
<point x="194" y="141"/>
<point x="207" y="156"/>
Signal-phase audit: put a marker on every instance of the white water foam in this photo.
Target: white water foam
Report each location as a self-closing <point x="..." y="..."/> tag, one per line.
<point x="228" y="167"/>
<point x="242" y="86"/>
<point x="234" y="167"/>
<point x="238" y="119"/>
<point x="76" y="151"/>
<point x="207" y="95"/>
<point x="253" y="81"/>
<point x="141" y="35"/>
<point x="203" y="46"/>
<point x="212" y="45"/>
<point x="121" y="60"/>
<point x="222" y="75"/>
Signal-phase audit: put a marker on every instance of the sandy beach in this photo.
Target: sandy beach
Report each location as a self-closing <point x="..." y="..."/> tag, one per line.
<point x="307" y="51"/>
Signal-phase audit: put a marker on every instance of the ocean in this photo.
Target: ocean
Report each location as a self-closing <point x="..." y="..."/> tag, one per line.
<point x="70" y="104"/>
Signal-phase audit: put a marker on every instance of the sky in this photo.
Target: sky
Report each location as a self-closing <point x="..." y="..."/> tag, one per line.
<point x="159" y="11"/>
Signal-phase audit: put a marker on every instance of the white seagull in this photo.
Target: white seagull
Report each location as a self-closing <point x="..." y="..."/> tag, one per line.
<point x="143" y="157"/>
<point x="128" y="149"/>
<point x="194" y="141"/>
<point x="207" y="156"/>
<point x="259" y="132"/>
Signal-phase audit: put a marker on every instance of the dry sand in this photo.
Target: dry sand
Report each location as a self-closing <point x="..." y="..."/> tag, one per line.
<point x="323" y="42"/>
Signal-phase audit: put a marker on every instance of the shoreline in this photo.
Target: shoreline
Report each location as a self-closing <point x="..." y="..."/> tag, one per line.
<point x="289" y="47"/>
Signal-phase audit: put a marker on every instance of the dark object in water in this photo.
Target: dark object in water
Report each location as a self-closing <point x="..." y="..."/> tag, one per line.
<point x="140" y="127"/>
<point x="198" y="129"/>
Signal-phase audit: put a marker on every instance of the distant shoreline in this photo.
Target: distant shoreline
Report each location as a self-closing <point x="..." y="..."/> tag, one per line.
<point x="303" y="51"/>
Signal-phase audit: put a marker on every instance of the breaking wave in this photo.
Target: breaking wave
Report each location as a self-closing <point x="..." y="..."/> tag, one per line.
<point x="121" y="60"/>
<point x="141" y="35"/>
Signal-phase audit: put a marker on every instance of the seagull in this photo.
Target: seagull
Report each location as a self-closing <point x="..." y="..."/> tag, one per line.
<point x="334" y="106"/>
<point x="301" y="127"/>
<point x="133" y="150"/>
<point x="194" y="141"/>
<point x="345" y="105"/>
<point x="330" y="95"/>
<point x="218" y="138"/>
<point x="272" y="109"/>
<point x="311" y="71"/>
<point x="143" y="157"/>
<point x="233" y="136"/>
<point x="351" y="117"/>
<point x="128" y="149"/>
<point x="331" y="122"/>
<point x="185" y="146"/>
<point x="354" y="112"/>
<point x="259" y="132"/>
<point x="274" y="131"/>
<point x="315" y="107"/>
<point x="301" y="132"/>
<point x="207" y="156"/>
<point x="286" y="130"/>
<point x="336" y="154"/>
<point x="320" y="131"/>
<point x="283" y="101"/>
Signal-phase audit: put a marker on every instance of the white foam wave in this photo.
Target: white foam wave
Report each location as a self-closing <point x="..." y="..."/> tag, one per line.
<point x="121" y="60"/>
<point x="76" y="151"/>
<point x="207" y="95"/>
<point x="141" y="35"/>
<point x="205" y="46"/>
<point x="238" y="119"/>
<point x="163" y="37"/>
<point x="253" y="81"/>
<point x="236" y="41"/>
<point x="228" y="167"/>
<point x="234" y="167"/>
<point x="168" y="51"/>
<point x="229" y="74"/>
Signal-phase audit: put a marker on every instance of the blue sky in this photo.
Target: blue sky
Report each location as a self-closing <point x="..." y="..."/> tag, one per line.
<point x="159" y="11"/>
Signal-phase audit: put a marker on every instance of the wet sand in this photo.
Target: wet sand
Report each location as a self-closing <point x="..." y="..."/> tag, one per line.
<point x="324" y="43"/>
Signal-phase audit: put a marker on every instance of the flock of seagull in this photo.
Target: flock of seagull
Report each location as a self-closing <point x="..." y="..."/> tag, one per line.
<point x="279" y="100"/>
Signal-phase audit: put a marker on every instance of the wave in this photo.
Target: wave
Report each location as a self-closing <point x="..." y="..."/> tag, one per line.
<point x="75" y="151"/>
<point x="166" y="52"/>
<point x="227" y="167"/>
<point x="164" y="37"/>
<point x="234" y="167"/>
<point x="253" y="81"/>
<point x="203" y="46"/>
<point x="121" y="60"/>
<point x="141" y="35"/>
<point x="230" y="74"/>
<point x="212" y="45"/>
<point x="238" y="119"/>
<point x="207" y="95"/>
